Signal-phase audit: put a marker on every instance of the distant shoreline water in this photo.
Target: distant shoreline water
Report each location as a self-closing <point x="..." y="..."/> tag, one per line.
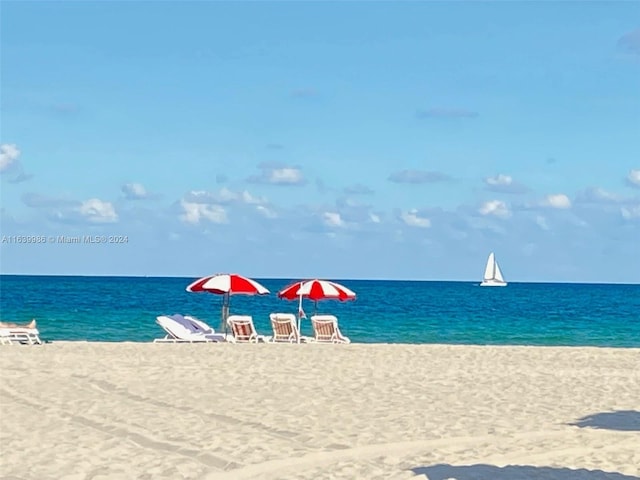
<point x="124" y="308"/>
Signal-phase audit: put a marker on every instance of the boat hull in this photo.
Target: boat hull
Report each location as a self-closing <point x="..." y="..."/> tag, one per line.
<point x="493" y="284"/>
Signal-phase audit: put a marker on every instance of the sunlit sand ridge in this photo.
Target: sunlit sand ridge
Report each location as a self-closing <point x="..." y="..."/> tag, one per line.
<point x="97" y="410"/>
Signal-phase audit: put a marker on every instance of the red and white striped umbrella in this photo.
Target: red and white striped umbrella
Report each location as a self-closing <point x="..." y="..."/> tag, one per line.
<point x="225" y="283"/>
<point x="317" y="290"/>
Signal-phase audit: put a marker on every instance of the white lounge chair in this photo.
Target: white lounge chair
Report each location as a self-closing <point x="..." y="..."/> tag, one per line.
<point x="193" y="324"/>
<point x="19" y="336"/>
<point x="285" y="329"/>
<point x="196" y="324"/>
<point x="182" y="330"/>
<point x="325" y="330"/>
<point x="243" y="330"/>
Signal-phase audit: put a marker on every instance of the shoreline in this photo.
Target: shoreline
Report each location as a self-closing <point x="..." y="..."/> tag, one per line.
<point x="111" y="410"/>
<point x="357" y="344"/>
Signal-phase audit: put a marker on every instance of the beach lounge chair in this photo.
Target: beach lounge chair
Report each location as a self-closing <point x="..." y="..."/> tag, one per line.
<point x="19" y="336"/>
<point x="285" y="329"/>
<point x="198" y="324"/>
<point x="181" y="330"/>
<point x="325" y="330"/>
<point x="192" y="323"/>
<point x="243" y="330"/>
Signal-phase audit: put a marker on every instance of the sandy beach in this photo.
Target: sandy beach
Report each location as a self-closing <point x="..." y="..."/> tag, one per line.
<point x="147" y="411"/>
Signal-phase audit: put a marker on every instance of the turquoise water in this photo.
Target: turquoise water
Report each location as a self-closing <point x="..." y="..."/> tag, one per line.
<point x="125" y="308"/>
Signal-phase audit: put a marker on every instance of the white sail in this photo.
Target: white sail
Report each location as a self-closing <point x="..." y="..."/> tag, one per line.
<point x="492" y="274"/>
<point x="489" y="269"/>
<point x="498" y="273"/>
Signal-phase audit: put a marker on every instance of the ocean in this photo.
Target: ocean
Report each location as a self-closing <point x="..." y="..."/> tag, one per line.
<point x="118" y="309"/>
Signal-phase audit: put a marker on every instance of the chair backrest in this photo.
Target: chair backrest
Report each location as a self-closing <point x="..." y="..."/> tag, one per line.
<point x="242" y="328"/>
<point x="174" y="328"/>
<point x="285" y="328"/>
<point x="325" y="328"/>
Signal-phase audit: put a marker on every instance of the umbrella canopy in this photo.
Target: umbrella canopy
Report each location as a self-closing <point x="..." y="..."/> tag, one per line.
<point x="317" y="290"/>
<point x="227" y="284"/>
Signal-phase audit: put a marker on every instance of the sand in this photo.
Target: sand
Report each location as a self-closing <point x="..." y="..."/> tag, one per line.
<point x="156" y="411"/>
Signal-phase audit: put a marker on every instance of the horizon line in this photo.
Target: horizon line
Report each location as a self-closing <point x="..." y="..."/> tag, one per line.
<point x="309" y="278"/>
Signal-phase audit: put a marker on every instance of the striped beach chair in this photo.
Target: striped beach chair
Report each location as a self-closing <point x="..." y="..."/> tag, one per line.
<point x="243" y="330"/>
<point x="325" y="329"/>
<point x="285" y="329"/>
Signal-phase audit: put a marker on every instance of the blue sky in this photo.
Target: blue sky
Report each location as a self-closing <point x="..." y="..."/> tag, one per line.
<point x="330" y="139"/>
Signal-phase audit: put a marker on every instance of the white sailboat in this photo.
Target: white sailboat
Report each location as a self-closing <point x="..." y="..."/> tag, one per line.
<point x="492" y="274"/>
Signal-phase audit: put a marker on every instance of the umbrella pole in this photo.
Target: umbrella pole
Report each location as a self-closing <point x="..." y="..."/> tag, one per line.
<point x="225" y="311"/>
<point x="222" y="322"/>
<point x="299" y="312"/>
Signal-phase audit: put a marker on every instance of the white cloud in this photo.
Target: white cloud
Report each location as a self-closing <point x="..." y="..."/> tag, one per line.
<point x="504" y="184"/>
<point x="266" y="212"/>
<point x="374" y="218"/>
<point x="332" y="219"/>
<point x="631" y="212"/>
<point x="98" y="211"/>
<point x="278" y="175"/>
<point x="497" y="208"/>
<point x="499" y="180"/>
<point x="557" y="200"/>
<point x="199" y="196"/>
<point x="355" y="214"/>
<point x="285" y="176"/>
<point x="198" y="206"/>
<point x="194" y="212"/>
<point x="72" y="212"/>
<point x="246" y="197"/>
<point x="414" y="219"/>
<point x="224" y="196"/>
<point x="134" y="191"/>
<point x="10" y="163"/>
<point x="9" y="154"/>
<point x="633" y="178"/>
